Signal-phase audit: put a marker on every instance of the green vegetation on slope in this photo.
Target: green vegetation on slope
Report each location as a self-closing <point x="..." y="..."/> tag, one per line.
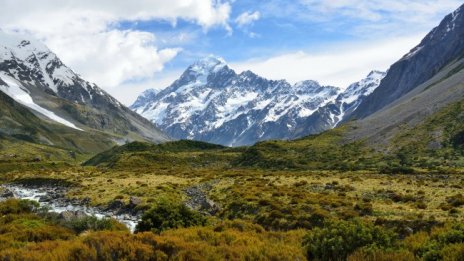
<point x="326" y="151"/>
<point x="438" y="141"/>
<point x="183" y="152"/>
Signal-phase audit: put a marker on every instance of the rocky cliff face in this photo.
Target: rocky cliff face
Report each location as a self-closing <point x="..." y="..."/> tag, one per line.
<point x="442" y="46"/>
<point x="419" y="92"/>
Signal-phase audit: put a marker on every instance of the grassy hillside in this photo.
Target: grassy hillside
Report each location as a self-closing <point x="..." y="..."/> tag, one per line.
<point x="326" y="151"/>
<point x="176" y="153"/>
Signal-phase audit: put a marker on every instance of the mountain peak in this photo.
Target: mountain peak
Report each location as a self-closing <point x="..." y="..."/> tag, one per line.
<point x="19" y="45"/>
<point x="248" y="74"/>
<point x="307" y="83"/>
<point x="145" y="97"/>
<point x="209" y="63"/>
<point x="34" y="77"/>
<point x="199" y="71"/>
<point x="373" y="75"/>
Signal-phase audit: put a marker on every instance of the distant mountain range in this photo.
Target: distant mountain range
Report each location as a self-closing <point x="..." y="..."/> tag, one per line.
<point x="211" y="102"/>
<point x="63" y="109"/>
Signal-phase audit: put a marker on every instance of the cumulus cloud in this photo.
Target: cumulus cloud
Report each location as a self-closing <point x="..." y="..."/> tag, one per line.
<point x="334" y="66"/>
<point x="247" y="18"/>
<point x="85" y="34"/>
<point x="112" y="57"/>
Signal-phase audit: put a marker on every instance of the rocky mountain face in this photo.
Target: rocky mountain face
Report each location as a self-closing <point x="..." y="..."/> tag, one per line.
<point x="211" y="102"/>
<point x="417" y="93"/>
<point x="443" y="45"/>
<point x="35" y="78"/>
<point x="332" y="114"/>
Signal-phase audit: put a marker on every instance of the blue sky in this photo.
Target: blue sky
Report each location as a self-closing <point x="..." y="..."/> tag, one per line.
<point x="269" y="35"/>
<point x="129" y="46"/>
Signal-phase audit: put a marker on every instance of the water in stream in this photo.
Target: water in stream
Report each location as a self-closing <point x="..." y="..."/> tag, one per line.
<point x="59" y="205"/>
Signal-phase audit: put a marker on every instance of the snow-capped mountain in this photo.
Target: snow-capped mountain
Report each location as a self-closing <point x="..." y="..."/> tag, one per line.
<point x="349" y="100"/>
<point x="32" y="63"/>
<point x="211" y="102"/>
<point x="36" y="78"/>
<point x="341" y="109"/>
<point x="145" y="97"/>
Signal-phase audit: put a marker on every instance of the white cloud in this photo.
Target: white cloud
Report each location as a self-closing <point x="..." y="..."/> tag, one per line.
<point x="113" y="57"/>
<point x="247" y="18"/>
<point x="367" y="19"/>
<point x="54" y="13"/>
<point x="158" y="82"/>
<point x="334" y="66"/>
<point x="84" y="35"/>
<point x="375" y="10"/>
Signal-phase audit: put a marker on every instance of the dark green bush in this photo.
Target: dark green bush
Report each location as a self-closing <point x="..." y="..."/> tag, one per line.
<point x="167" y="216"/>
<point x="435" y="248"/>
<point x="337" y="240"/>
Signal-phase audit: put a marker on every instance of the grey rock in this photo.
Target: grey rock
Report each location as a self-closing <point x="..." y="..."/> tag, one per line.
<point x="6" y="193"/>
<point x="116" y="204"/>
<point x="198" y="199"/>
<point x="71" y="215"/>
<point x="134" y="202"/>
<point x="409" y="230"/>
<point x="45" y="198"/>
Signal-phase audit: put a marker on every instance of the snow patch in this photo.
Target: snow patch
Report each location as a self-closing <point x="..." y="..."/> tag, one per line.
<point x="21" y="95"/>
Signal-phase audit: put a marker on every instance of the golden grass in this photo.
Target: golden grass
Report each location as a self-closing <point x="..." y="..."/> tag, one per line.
<point x="102" y="185"/>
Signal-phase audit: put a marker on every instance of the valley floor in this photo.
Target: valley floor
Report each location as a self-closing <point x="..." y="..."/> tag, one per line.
<point x="250" y="214"/>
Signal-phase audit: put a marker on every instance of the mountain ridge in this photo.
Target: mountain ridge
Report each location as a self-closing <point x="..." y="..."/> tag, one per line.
<point x="211" y="102"/>
<point x="36" y="78"/>
<point x="441" y="46"/>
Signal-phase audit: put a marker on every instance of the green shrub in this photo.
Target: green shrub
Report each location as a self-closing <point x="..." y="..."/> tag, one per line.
<point x="169" y="215"/>
<point x="82" y="224"/>
<point x="14" y="206"/>
<point x="440" y="241"/>
<point x="337" y="240"/>
<point x="382" y="255"/>
<point x="364" y="208"/>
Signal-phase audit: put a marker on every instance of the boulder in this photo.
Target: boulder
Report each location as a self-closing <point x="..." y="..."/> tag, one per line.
<point x="115" y="204"/>
<point x="134" y="202"/>
<point x="6" y="193"/>
<point x="70" y="215"/>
